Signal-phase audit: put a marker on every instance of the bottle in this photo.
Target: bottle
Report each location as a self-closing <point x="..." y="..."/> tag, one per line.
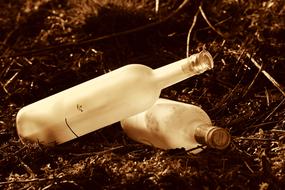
<point x="170" y="124"/>
<point x="103" y="100"/>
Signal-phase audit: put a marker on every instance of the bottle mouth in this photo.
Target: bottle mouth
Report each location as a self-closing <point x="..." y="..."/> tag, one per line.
<point x="206" y="59"/>
<point x="201" y="62"/>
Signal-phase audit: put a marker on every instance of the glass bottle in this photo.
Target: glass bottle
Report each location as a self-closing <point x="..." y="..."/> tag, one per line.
<point x="170" y="124"/>
<point x="104" y="100"/>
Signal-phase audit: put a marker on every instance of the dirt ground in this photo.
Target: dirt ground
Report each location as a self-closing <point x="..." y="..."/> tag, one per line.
<point x="47" y="46"/>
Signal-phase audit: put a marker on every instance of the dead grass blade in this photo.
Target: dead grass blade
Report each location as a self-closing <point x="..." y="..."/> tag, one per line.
<point x="189" y="33"/>
<point x="266" y="74"/>
<point x="209" y="23"/>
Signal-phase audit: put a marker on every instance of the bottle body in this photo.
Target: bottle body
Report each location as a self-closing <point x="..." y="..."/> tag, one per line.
<point x="89" y="106"/>
<point x="169" y="124"/>
<point x="103" y="100"/>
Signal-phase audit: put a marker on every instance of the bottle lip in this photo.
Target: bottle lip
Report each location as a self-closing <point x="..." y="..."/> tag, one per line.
<point x="205" y="56"/>
<point x="199" y="63"/>
<point x="218" y="138"/>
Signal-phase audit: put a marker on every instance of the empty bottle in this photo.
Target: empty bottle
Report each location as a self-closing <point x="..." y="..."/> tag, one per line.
<point x="103" y="100"/>
<point x="170" y="124"/>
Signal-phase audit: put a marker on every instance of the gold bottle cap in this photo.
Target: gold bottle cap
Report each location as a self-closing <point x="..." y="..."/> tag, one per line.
<point x="218" y="138"/>
<point x="214" y="137"/>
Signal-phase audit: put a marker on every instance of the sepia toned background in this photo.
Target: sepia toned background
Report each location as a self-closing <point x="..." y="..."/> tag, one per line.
<point x="47" y="46"/>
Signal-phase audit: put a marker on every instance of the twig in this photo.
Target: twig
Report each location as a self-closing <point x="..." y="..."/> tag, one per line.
<point x="252" y="82"/>
<point x="27" y="168"/>
<point x="16" y="27"/>
<point x="235" y="146"/>
<point x="21" y="149"/>
<point x="253" y="139"/>
<point x="64" y="181"/>
<point x="156" y="6"/>
<point x="256" y="126"/>
<point x="267" y="96"/>
<point x="274" y="109"/>
<point x="96" y="153"/>
<point x="27" y="180"/>
<point x="224" y="100"/>
<point x="6" y="70"/>
<point x="208" y="22"/>
<point x="266" y="74"/>
<point x="189" y="32"/>
<point x="238" y="60"/>
<point x="47" y="187"/>
<point x="9" y="81"/>
<point x="216" y="24"/>
<point x="278" y="131"/>
<point x="196" y="148"/>
<point x="248" y="167"/>
<point x="272" y="80"/>
<point x="263" y="124"/>
<point x="85" y="42"/>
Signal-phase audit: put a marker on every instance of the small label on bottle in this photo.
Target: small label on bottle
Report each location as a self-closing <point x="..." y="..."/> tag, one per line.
<point x="79" y="107"/>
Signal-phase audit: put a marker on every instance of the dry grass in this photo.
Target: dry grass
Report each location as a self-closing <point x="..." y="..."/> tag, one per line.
<point x="48" y="46"/>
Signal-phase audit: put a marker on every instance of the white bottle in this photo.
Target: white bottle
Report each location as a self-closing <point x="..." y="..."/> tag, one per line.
<point x="103" y="100"/>
<point x="170" y="124"/>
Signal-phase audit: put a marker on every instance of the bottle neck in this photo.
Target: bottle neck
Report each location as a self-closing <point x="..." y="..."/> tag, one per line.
<point x="183" y="69"/>
<point x="214" y="137"/>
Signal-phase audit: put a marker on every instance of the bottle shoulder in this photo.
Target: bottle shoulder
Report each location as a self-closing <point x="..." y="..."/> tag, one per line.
<point x="167" y="124"/>
<point x="134" y="73"/>
<point x="136" y="68"/>
<point x="180" y="111"/>
<point x="170" y="119"/>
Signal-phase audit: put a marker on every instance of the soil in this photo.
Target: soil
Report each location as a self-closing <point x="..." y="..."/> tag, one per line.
<point x="47" y="46"/>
